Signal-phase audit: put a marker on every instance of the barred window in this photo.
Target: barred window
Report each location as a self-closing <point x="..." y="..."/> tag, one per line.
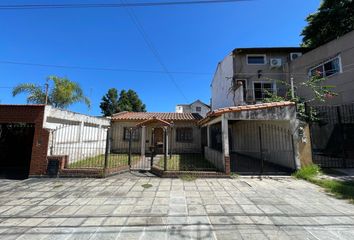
<point x="184" y="134"/>
<point x="135" y="134"/>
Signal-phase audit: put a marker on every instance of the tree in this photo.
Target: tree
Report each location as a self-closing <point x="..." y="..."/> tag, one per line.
<point x="63" y="93"/>
<point x="130" y="101"/>
<point x="109" y="104"/>
<point x="333" y="19"/>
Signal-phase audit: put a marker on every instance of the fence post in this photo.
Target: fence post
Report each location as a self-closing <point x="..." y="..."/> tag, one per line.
<point x="165" y="149"/>
<point x="130" y="147"/>
<point x="344" y="164"/>
<point x="171" y="139"/>
<point x="108" y="149"/>
<point x="261" y="148"/>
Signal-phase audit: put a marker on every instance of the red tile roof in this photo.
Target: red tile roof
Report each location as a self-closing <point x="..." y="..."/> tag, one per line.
<point x="220" y="111"/>
<point x="159" y="115"/>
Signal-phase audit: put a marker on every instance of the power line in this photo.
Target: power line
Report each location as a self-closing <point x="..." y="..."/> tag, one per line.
<point x="98" y="68"/>
<point x="112" y="5"/>
<point x="152" y="48"/>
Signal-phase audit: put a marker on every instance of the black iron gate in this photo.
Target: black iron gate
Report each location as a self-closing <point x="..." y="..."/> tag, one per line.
<point x="16" y="141"/>
<point x="260" y="148"/>
<point x="332" y="136"/>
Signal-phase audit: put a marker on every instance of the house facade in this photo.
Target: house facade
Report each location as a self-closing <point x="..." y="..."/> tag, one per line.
<point x="149" y="130"/>
<point x="246" y="75"/>
<point x="335" y="62"/>
<point x="197" y="106"/>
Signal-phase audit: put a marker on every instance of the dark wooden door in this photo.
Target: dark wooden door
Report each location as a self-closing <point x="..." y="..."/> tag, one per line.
<point x="158" y="141"/>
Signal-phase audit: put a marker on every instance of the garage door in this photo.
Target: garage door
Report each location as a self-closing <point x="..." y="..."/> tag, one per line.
<point x="15" y="149"/>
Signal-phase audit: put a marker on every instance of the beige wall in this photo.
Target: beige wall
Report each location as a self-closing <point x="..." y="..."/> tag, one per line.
<point x="277" y="146"/>
<point x="242" y="70"/>
<point x="119" y="144"/>
<point x="344" y="82"/>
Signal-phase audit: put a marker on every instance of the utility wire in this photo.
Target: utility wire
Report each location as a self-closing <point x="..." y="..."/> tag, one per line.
<point x="348" y="66"/>
<point x="99" y="68"/>
<point x="113" y="5"/>
<point x="152" y="48"/>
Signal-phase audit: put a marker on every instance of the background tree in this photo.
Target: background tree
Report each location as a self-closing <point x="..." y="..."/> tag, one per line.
<point x="109" y="104"/>
<point x="333" y="19"/>
<point x="130" y="101"/>
<point x="62" y="94"/>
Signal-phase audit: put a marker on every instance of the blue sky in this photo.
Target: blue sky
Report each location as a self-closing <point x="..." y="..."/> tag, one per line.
<point x="188" y="38"/>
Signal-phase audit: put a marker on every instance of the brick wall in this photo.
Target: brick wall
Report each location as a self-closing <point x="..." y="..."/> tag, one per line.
<point x="30" y="114"/>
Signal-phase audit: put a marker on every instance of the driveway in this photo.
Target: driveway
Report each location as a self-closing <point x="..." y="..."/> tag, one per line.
<point x="120" y="208"/>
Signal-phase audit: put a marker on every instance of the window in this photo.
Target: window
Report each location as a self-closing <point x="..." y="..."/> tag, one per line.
<point x="184" y="134"/>
<point x="261" y="89"/>
<point x="327" y="68"/>
<point x="256" y="59"/>
<point x="198" y="109"/>
<point x="135" y="134"/>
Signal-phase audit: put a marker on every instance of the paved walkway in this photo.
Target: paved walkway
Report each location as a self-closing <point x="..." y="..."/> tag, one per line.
<point x="120" y="208"/>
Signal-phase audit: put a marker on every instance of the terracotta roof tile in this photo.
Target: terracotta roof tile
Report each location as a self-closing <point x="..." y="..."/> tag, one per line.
<point x="168" y="116"/>
<point x="220" y="111"/>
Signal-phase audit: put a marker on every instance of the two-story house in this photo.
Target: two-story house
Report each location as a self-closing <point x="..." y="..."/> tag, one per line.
<point x="247" y="75"/>
<point x="195" y="107"/>
<point x="333" y="61"/>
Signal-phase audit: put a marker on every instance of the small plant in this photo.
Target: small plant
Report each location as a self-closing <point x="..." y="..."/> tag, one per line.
<point x="234" y="175"/>
<point x="146" y="185"/>
<point x="188" y="177"/>
<point x="308" y="172"/>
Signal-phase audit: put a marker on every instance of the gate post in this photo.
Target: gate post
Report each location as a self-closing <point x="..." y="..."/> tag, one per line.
<point x="261" y="147"/>
<point x="344" y="164"/>
<point x="165" y="148"/>
<point x="130" y="147"/>
<point x="108" y="149"/>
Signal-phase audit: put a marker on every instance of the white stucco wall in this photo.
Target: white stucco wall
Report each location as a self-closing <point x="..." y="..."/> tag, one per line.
<point x="204" y="109"/>
<point x="77" y="135"/>
<point x="221" y="84"/>
<point x="191" y="108"/>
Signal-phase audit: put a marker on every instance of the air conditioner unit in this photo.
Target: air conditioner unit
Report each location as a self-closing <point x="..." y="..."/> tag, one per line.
<point x="275" y="62"/>
<point x="295" y="55"/>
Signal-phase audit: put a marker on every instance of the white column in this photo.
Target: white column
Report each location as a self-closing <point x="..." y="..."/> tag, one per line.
<point x="225" y="136"/>
<point x="81" y="134"/>
<point x="143" y="141"/>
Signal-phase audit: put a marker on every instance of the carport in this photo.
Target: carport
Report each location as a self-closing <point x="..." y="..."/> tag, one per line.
<point x="256" y="139"/>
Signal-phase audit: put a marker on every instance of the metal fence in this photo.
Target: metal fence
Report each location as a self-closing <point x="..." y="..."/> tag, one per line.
<point x="261" y="148"/>
<point x="93" y="147"/>
<point x="332" y="136"/>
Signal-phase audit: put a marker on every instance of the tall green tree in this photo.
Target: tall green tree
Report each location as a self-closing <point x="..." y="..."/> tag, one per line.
<point x="109" y="104"/>
<point x="333" y="19"/>
<point x="61" y="94"/>
<point x="130" y="101"/>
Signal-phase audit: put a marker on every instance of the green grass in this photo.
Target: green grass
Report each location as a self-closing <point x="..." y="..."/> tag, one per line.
<point x="187" y="162"/>
<point x="114" y="160"/>
<point x="340" y="189"/>
<point x="188" y="177"/>
<point x="308" y="172"/>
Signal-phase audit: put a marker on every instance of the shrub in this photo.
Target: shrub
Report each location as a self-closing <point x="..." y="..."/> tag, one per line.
<point x="308" y="172"/>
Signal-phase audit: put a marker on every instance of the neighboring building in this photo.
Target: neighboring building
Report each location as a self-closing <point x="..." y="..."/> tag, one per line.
<point x="335" y="62"/>
<point x="247" y="74"/>
<point x="195" y="107"/>
<point x="31" y="133"/>
<point x="148" y="128"/>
